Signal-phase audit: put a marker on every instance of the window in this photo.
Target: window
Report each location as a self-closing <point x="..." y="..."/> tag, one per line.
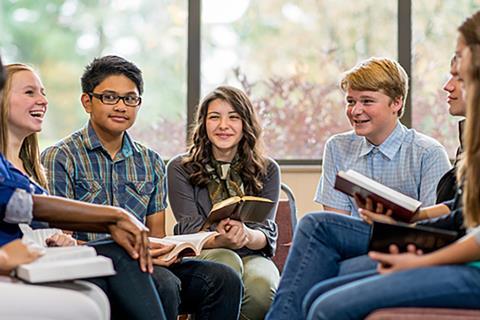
<point x="288" y="56"/>
<point x="435" y="24"/>
<point x="60" y="37"/>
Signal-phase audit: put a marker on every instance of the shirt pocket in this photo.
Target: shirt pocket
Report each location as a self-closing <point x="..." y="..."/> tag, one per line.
<point x="90" y="191"/>
<point x="139" y="194"/>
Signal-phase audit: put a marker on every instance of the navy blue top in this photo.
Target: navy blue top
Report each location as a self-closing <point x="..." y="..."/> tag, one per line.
<point x="12" y="179"/>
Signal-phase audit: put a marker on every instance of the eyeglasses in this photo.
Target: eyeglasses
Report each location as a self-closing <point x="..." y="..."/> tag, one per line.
<point x="113" y="98"/>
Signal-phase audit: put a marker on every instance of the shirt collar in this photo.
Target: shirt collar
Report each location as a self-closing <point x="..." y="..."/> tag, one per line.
<point x="389" y="147"/>
<point x="92" y="141"/>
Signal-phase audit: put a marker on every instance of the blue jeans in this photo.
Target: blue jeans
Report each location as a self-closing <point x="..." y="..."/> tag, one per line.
<point x="449" y="286"/>
<point x="131" y="292"/>
<point x="206" y="289"/>
<point x="325" y="245"/>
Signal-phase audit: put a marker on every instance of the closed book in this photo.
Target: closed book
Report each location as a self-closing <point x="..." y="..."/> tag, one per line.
<point x="66" y="263"/>
<point x="351" y="182"/>
<point x="401" y="234"/>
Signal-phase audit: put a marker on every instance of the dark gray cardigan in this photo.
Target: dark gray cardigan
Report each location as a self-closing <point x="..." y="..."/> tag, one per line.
<point x="191" y="204"/>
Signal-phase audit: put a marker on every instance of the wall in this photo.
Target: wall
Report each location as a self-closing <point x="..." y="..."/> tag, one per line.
<point x="302" y="180"/>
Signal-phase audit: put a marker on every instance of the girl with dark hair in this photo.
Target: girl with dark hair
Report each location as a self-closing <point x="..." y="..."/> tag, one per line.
<point x="226" y="159"/>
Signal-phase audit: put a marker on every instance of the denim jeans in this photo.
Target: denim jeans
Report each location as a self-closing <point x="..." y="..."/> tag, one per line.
<point x="325" y="245"/>
<point x="206" y="289"/>
<point x="449" y="286"/>
<point x="131" y="292"/>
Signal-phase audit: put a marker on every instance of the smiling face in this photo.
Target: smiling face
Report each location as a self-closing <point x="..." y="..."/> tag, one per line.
<point x="224" y="129"/>
<point x="111" y="120"/>
<point x="27" y="104"/>
<point x="454" y="89"/>
<point x="372" y="114"/>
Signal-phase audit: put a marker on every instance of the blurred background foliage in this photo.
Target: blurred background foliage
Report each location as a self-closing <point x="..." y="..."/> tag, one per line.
<point x="287" y="55"/>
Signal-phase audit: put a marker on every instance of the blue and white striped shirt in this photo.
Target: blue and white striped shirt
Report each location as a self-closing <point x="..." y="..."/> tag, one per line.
<point x="407" y="161"/>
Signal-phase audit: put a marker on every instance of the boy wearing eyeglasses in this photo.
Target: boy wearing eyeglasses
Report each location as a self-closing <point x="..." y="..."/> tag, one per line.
<point x="102" y="164"/>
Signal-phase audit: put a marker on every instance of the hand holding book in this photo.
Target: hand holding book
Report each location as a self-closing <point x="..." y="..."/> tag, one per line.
<point x="232" y="234"/>
<point x="368" y="214"/>
<point x="16" y="253"/>
<point x="353" y="183"/>
<point x="171" y="248"/>
<point x="396" y="262"/>
<point x="244" y="209"/>
<point x="158" y="251"/>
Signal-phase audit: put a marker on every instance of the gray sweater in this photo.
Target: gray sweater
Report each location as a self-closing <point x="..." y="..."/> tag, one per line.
<point x="191" y="204"/>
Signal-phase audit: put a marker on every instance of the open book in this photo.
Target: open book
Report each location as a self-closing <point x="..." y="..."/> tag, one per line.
<point x="402" y="206"/>
<point x="185" y="244"/>
<point x="425" y="238"/>
<point x="245" y="209"/>
<point x="37" y="236"/>
<point x="66" y="263"/>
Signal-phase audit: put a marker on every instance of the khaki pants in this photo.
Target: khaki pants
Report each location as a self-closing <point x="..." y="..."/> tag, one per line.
<point x="260" y="279"/>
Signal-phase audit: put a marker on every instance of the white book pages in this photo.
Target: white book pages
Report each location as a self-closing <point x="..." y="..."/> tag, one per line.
<point x="66" y="253"/>
<point x="37" y="236"/>
<point x="382" y="190"/>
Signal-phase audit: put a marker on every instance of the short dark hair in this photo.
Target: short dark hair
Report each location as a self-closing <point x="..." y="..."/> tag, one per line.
<point x="3" y="74"/>
<point x="101" y="68"/>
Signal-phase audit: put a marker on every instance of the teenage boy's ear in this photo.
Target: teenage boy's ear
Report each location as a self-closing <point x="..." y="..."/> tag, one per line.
<point x="86" y="102"/>
<point x="397" y="104"/>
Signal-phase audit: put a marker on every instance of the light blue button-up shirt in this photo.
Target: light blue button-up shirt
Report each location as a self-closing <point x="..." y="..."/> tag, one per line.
<point x="407" y="161"/>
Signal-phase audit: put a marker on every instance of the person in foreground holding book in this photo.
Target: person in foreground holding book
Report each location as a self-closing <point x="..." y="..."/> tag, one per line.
<point x="328" y="244"/>
<point x="22" y="108"/>
<point x="447" y="277"/>
<point x="225" y="159"/>
<point x="101" y="163"/>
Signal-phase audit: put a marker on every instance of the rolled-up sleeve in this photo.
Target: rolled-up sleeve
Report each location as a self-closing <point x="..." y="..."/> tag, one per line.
<point x="19" y="208"/>
<point x="16" y="203"/>
<point x="271" y="190"/>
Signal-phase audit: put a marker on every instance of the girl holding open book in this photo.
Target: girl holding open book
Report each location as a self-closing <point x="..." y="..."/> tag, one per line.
<point x="445" y="278"/>
<point x="226" y="159"/>
<point x="132" y="293"/>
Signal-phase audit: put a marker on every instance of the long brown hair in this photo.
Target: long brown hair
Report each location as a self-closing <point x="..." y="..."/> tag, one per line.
<point x="469" y="171"/>
<point x="250" y="147"/>
<point x="29" y="151"/>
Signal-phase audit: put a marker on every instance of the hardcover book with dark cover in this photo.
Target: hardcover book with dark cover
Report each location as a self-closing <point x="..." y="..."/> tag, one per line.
<point x="351" y="182"/>
<point x="402" y="234"/>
